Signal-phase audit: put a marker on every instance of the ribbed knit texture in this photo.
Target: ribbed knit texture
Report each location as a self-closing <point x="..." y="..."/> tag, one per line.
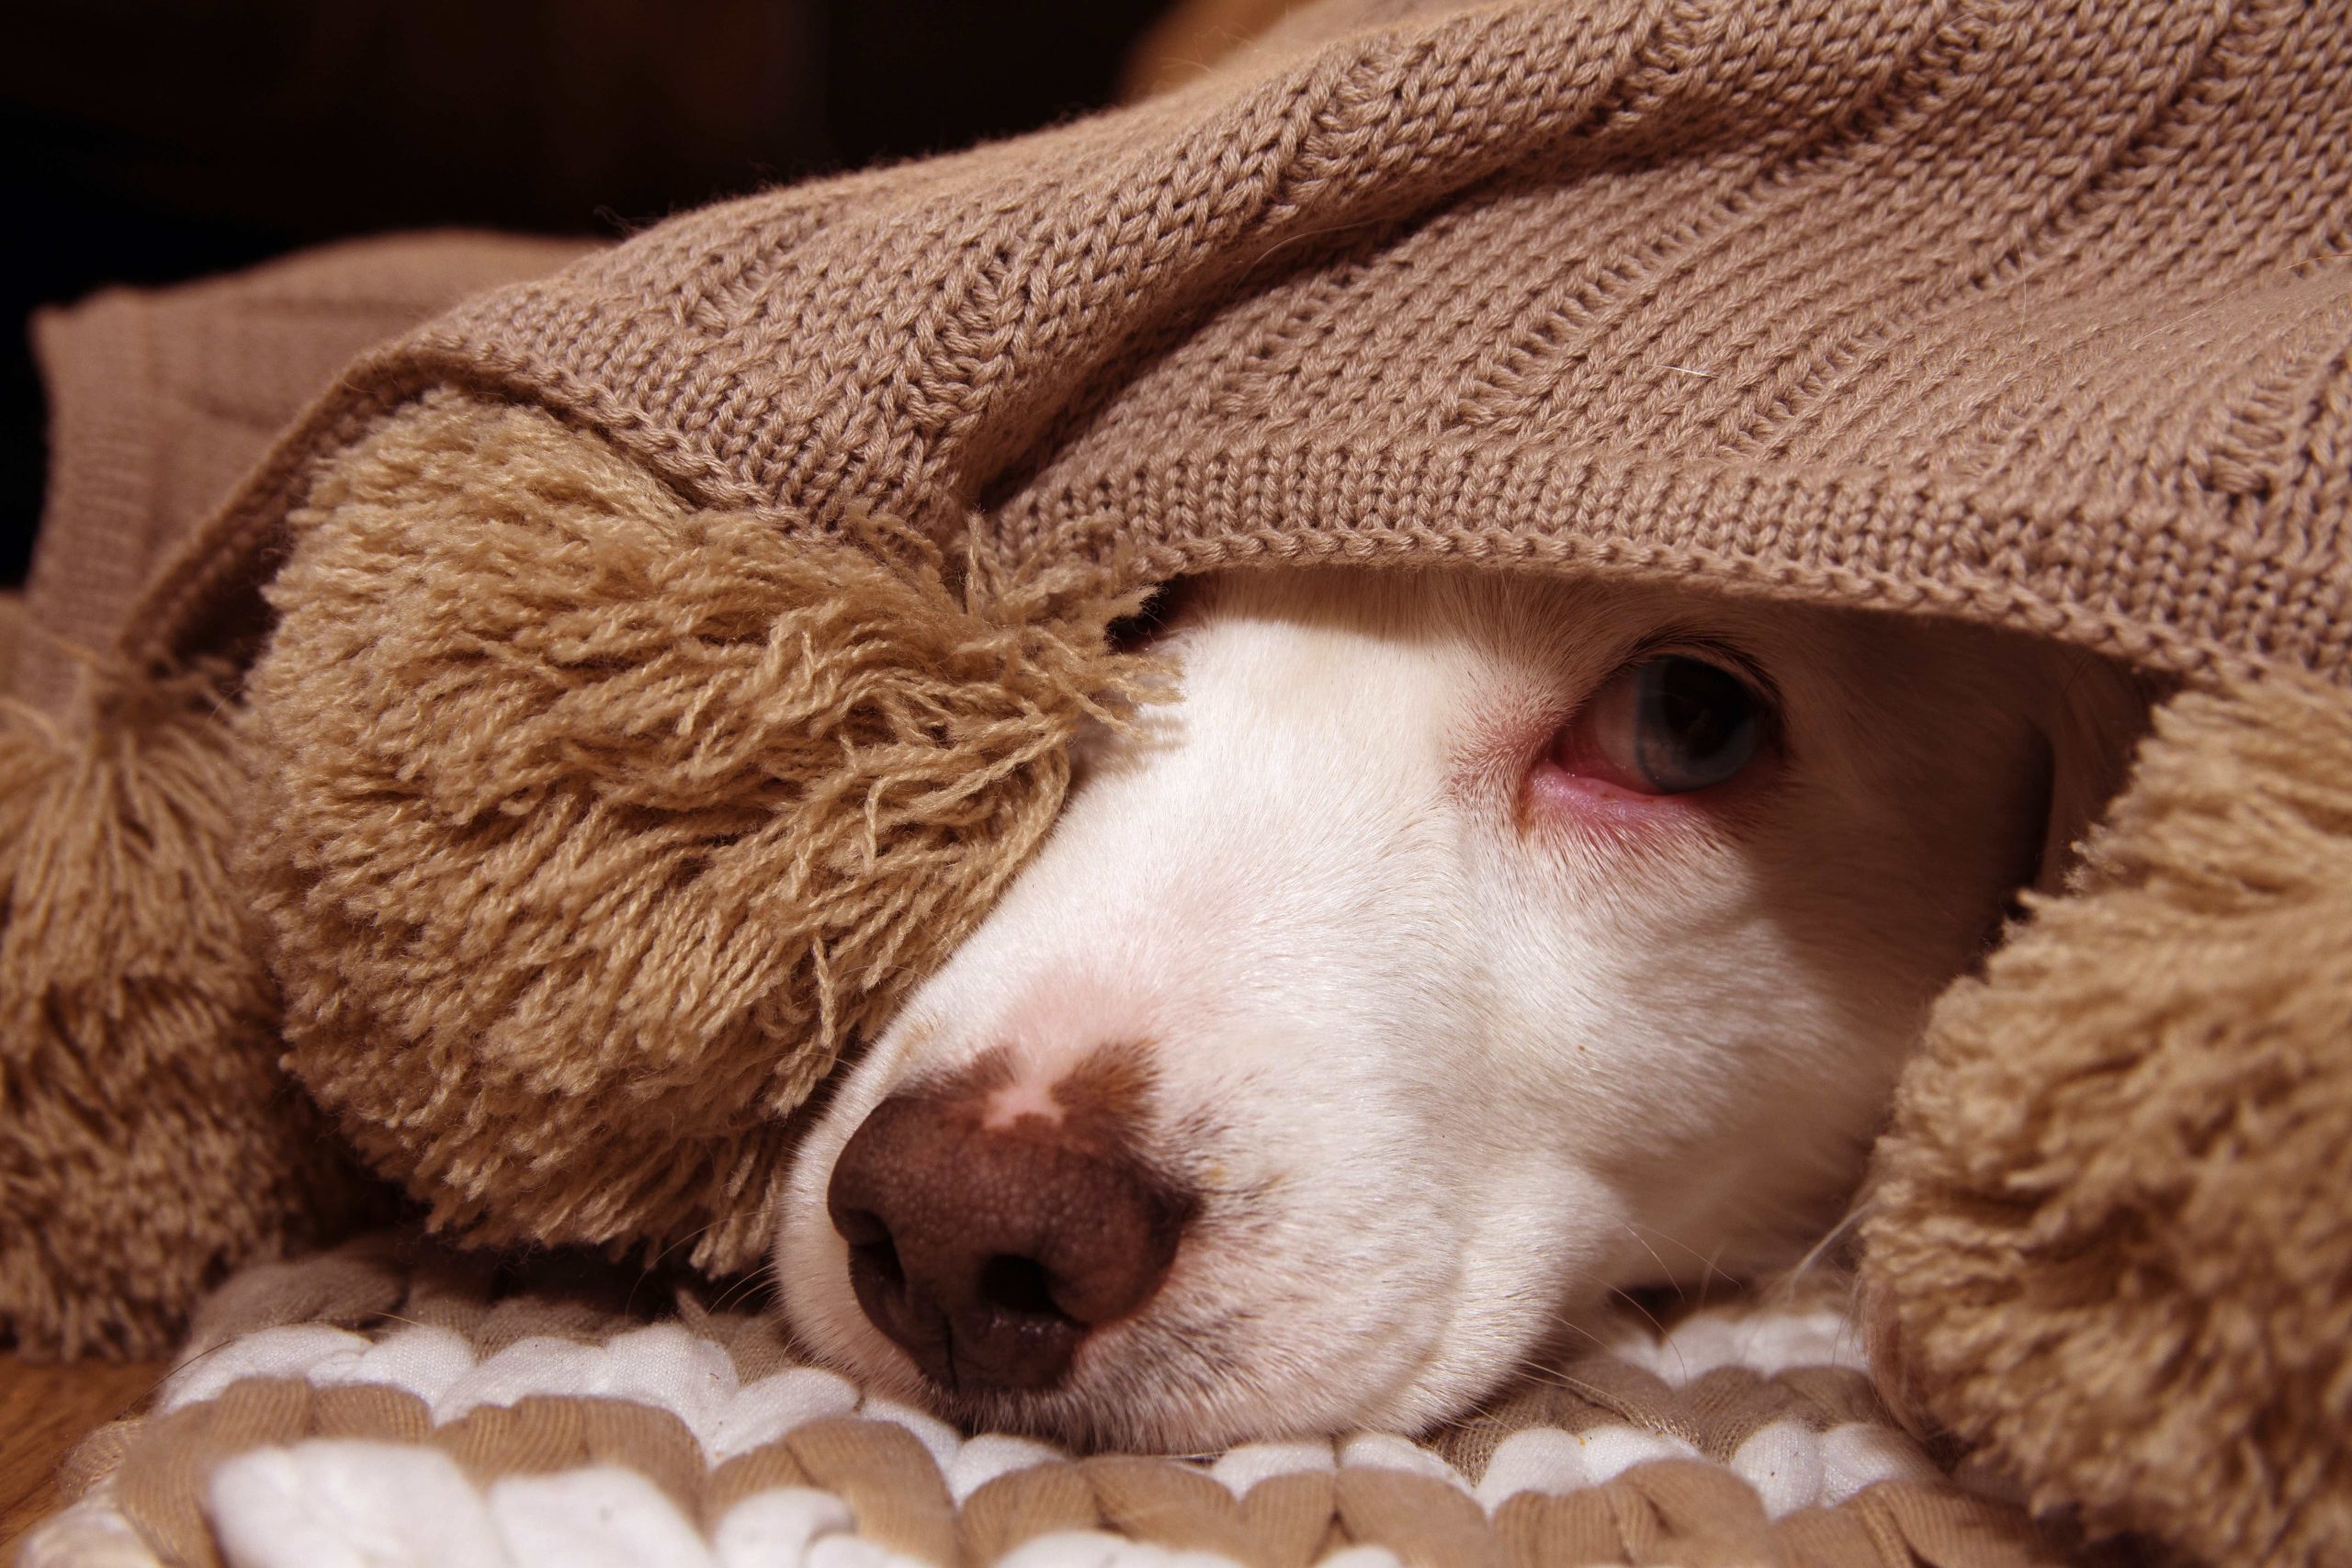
<point x="2032" y="310"/>
<point x="159" y="402"/>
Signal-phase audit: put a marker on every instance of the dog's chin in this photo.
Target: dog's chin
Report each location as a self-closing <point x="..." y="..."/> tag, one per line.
<point x="1110" y="1407"/>
<point x="1174" y="1383"/>
<point x="1121" y="1400"/>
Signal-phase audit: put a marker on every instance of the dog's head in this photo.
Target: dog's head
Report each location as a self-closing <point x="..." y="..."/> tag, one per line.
<point x="1457" y="948"/>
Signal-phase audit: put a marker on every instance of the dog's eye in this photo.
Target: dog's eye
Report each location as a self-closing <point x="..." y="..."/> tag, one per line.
<point x="1666" y="725"/>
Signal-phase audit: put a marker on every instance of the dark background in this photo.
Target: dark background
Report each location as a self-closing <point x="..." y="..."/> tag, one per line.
<point x="150" y="143"/>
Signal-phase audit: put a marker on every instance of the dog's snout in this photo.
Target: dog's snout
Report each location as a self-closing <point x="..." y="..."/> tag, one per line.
<point x="990" y="1248"/>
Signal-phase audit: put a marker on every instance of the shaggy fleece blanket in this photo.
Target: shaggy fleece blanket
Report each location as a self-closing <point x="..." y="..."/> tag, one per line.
<point x="390" y="1404"/>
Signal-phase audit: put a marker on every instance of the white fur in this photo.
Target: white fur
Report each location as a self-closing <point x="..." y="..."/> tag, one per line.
<point x="1446" y="1061"/>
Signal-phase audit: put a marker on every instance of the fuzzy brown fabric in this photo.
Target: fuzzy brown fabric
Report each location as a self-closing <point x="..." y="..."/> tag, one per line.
<point x="151" y="1141"/>
<point x="148" y="1140"/>
<point x="598" y="823"/>
<point x="2111" y="1241"/>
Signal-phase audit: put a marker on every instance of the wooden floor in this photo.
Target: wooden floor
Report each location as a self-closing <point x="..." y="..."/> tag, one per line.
<point x="44" y="1411"/>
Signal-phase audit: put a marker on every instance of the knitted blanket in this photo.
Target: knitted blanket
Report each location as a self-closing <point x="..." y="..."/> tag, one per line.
<point x="2033" y="313"/>
<point x="160" y="399"/>
<point x="390" y="1403"/>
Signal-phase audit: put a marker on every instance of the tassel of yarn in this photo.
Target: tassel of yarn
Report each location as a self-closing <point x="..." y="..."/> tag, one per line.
<point x="599" y="824"/>
<point x="149" y="1142"/>
<point x="2110" y="1248"/>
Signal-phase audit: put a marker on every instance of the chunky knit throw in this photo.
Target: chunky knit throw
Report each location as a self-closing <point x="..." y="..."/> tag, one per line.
<point x="600" y="706"/>
<point x="2031" y="311"/>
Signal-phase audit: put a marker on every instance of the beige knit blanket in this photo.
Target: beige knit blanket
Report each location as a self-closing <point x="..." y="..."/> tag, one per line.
<point x="378" y="1405"/>
<point x="160" y="399"/>
<point x="390" y="1403"/>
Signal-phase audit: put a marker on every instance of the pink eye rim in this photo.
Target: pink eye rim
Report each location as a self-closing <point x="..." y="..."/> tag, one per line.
<point x="1670" y="723"/>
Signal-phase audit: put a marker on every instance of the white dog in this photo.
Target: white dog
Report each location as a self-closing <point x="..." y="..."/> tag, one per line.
<point x="1458" y="949"/>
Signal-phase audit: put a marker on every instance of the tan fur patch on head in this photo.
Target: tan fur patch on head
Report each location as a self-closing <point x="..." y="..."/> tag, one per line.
<point x="2111" y="1243"/>
<point x="598" y="824"/>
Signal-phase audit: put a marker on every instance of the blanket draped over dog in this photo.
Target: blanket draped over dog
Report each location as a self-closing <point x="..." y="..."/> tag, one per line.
<point x="609" y="699"/>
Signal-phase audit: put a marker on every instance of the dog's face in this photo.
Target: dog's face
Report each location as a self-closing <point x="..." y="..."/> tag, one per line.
<point x="1457" y="948"/>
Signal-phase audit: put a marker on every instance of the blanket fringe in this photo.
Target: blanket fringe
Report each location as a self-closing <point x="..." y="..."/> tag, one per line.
<point x="2109" y="1243"/>
<point x="599" y="824"/>
<point x="149" y="1142"/>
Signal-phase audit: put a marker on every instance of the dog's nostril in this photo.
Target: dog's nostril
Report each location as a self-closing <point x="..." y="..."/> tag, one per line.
<point x="879" y="1261"/>
<point x="1018" y="1285"/>
<point x="873" y="1256"/>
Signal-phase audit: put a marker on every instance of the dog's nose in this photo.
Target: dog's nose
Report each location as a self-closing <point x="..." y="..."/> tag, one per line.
<point x="989" y="1253"/>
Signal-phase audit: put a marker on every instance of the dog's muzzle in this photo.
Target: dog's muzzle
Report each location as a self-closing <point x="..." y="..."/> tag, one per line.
<point x="988" y="1250"/>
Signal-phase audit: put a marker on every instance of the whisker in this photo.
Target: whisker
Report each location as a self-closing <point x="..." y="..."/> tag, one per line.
<point x="1706" y="1260"/>
<point x="1664" y="1339"/>
<point x="1591" y="1391"/>
<point x="1662" y="1268"/>
<point x="742" y="1289"/>
<point x="1785" y="1288"/>
<point x="1569" y="1321"/>
<point x="628" y="1303"/>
